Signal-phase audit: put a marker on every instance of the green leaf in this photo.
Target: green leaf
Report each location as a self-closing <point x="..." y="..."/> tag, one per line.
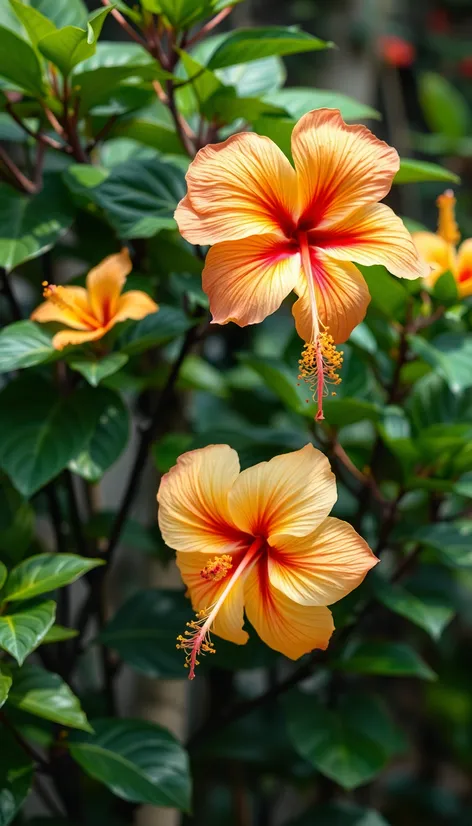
<point x="58" y="633"/>
<point x="451" y="540"/>
<point x="412" y="171"/>
<point x="106" y="441"/>
<point x="29" y="226"/>
<point x="3" y="574"/>
<point x="46" y="695"/>
<point x="243" y="45"/>
<point x="16" y="777"/>
<point x="17" y="520"/>
<point x="5" y="685"/>
<point x="46" y="572"/>
<point x="95" y="370"/>
<point x="19" y="63"/>
<point x="430" y="612"/>
<point x="387" y="294"/>
<point x="444" y="108"/>
<point x="345" y="411"/>
<point x="37" y="441"/>
<point x="450" y="355"/>
<point x="298" y="101"/>
<point x="63" y="12"/>
<point x="182" y="14"/>
<point x="387" y="659"/>
<point x="35" y="23"/>
<point x="22" y="630"/>
<point x="138" y="761"/>
<point x="133" y="534"/>
<point x="283" y="382"/>
<point x="167" y="450"/>
<point x="69" y="46"/>
<point x="445" y="289"/>
<point x="24" y="344"/>
<point x="350" y="745"/>
<point x="138" y="198"/>
<point x="155" y="329"/>
<point x="339" y="814"/>
<point x="144" y="630"/>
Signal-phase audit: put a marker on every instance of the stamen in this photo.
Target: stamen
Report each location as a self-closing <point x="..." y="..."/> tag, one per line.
<point x="196" y="639"/>
<point x="57" y="295"/>
<point x="319" y="365"/>
<point x="217" y="568"/>
<point x="447" y="224"/>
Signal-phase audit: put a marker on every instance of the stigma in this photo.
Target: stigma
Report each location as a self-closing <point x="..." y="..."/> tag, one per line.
<point x="319" y="365"/>
<point x="447" y="224"/>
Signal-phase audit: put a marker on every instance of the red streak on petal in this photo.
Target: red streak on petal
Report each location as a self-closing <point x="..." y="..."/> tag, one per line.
<point x="465" y="275"/>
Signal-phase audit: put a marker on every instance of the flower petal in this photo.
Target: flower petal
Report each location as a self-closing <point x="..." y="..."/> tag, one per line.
<point x="283" y="624"/>
<point x="247" y="280"/>
<point x="373" y="235"/>
<point x="72" y="309"/>
<point x="464" y="268"/>
<point x="194" y="513"/>
<point x="71" y="337"/>
<point x="241" y="187"/>
<point x="322" y="567"/>
<point x="134" y="304"/>
<point x="105" y="282"/>
<point x="435" y="251"/>
<point x="341" y="297"/>
<point x="339" y="168"/>
<point x="292" y="494"/>
<point x="204" y="593"/>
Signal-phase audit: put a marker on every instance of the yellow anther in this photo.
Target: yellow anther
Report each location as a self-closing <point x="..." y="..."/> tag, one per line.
<point x="217" y="568"/>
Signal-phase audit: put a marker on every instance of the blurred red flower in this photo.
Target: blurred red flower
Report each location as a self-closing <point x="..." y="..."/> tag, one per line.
<point x="396" y="52"/>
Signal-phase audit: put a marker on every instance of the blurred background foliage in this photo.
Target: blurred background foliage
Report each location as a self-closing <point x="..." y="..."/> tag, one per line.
<point x="378" y="730"/>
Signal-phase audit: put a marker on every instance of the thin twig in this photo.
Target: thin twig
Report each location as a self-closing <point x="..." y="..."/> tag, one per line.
<point x="47" y="798"/>
<point x="208" y="27"/>
<point x="102" y="133"/>
<point x="124" y="24"/>
<point x="23" y="183"/>
<point x="38" y="135"/>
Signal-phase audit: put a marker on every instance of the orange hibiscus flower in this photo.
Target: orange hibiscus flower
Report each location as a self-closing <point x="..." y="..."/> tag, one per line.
<point x="92" y="312"/>
<point x="276" y="229"/>
<point x="440" y="249"/>
<point x="260" y="541"/>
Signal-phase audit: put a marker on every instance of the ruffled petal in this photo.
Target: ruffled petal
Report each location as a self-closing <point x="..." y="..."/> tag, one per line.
<point x="339" y="168"/>
<point x="322" y="567"/>
<point x="373" y="235"/>
<point x="71" y="337"/>
<point x="105" y="282"/>
<point x="247" y="280"/>
<point x="241" y="187"/>
<point x="193" y="502"/>
<point x="204" y="593"/>
<point x="281" y="623"/>
<point x="341" y="296"/>
<point x="134" y="304"/>
<point x="71" y="307"/>
<point x="464" y="269"/>
<point x="292" y="494"/>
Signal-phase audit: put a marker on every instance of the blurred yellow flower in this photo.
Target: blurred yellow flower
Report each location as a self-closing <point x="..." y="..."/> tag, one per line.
<point x="259" y="541"/>
<point x="440" y="249"/>
<point x="92" y="312"/>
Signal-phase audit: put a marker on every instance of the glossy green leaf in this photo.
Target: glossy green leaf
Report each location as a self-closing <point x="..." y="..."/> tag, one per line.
<point x="451" y="540"/>
<point x="36" y="24"/>
<point x="450" y="355"/>
<point x="339" y="814"/>
<point x="46" y="572"/>
<point x="22" y="630"/>
<point x="29" y="226"/>
<point x="16" y="777"/>
<point x="350" y="744"/>
<point x="138" y="761"/>
<point x="283" y="382"/>
<point x="58" y="633"/>
<point x="37" y="441"/>
<point x="445" y="289"/>
<point x="46" y="695"/>
<point x="387" y="293"/>
<point x="412" y="171"/>
<point x="107" y="440"/>
<point x="19" y="63"/>
<point x="345" y="411"/>
<point x="155" y="329"/>
<point x="16" y="522"/>
<point x="388" y="659"/>
<point x="95" y="370"/>
<point x="63" y="12"/>
<point x="24" y="344"/>
<point x="5" y="684"/>
<point x="182" y="14"/>
<point x="69" y="46"/>
<point x="243" y="45"/>
<point x="444" y="108"/>
<point x="144" y="630"/>
<point x="298" y="101"/>
<point x="138" y="198"/>
<point x="431" y="612"/>
<point x="3" y="574"/>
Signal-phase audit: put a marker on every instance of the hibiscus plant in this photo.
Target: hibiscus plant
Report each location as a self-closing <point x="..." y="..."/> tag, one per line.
<point x="208" y="296"/>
